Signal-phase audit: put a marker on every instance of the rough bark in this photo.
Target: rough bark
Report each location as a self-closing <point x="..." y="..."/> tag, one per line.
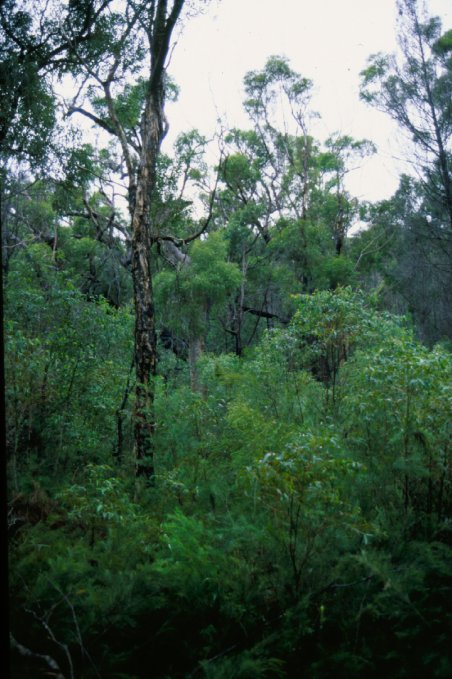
<point x="157" y="19"/>
<point x="153" y="130"/>
<point x="145" y="333"/>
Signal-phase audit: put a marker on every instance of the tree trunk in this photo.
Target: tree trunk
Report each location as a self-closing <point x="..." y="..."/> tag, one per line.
<point x="153" y="129"/>
<point x="195" y="351"/>
<point x="157" y="21"/>
<point x="153" y="132"/>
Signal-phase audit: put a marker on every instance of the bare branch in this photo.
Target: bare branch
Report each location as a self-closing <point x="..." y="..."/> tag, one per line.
<point x="28" y="653"/>
<point x="98" y="121"/>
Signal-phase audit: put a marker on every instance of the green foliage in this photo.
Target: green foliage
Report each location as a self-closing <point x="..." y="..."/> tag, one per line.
<point x="244" y="666"/>
<point x="101" y="497"/>
<point x="237" y="172"/>
<point x="273" y="513"/>
<point x="444" y="44"/>
<point x="299" y="524"/>
<point x="396" y="406"/>
<point x="261" y="86"/>
<point x="80" y="571"/>
<point x="302" y="488"/>
<point x="334" y="272"/>
<point x="199" y="289"/>
<point x="195" y="568"/>
<point x="327" y="327"/>
<point x="65" y="368"/>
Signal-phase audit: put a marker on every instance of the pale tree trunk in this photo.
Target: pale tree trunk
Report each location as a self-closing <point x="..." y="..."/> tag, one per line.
<point x="195" y="351"/>
<point x="157" y="19"/>
<point x="153" y="132"/>
<point x="153" y="129"/>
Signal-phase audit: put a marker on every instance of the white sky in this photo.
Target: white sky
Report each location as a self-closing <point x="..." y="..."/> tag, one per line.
<point x="326" y="40"/>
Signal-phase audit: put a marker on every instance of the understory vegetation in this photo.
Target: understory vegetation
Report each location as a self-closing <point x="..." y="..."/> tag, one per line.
<point x="296" y="526"/>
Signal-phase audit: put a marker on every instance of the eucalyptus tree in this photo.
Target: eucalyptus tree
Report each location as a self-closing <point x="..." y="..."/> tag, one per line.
<point x="265" y="178"/>
<point x="343" y="152"/>
<point x="284" y="200"/>
<point x="126" y="85"/>
<point x="398" y="255"/>
<point x="278" y="102"/>
<point x="116" y="53"/>
<point x="415" y="89"/>
<point x="38" y="41"/>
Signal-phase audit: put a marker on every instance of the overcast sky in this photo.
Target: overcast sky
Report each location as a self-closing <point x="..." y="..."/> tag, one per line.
<point x="326" y="40"/>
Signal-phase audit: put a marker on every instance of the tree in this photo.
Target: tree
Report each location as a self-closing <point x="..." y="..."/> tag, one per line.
<point x="266" y="177"/>
<point x="195" y="293"/>
<point x="416" y="91"/>
<point x="36" y="43"/>
<point x="343" y="150"/>
<point x="283" y="202"/>
<point x="134" y="115"/>
<point x="401" y="254"/>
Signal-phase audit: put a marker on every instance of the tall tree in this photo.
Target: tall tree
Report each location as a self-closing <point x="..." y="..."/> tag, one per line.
<point x="416" y="91"/>
<point x="343" y="151"/>
<point x="135" y="116"/>
<point x="142" y="184"/>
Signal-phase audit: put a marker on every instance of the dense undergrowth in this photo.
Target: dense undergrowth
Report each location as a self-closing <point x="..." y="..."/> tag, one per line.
<point x="300" y="520"/>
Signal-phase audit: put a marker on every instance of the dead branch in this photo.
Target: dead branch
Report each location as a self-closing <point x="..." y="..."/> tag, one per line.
<point x="47" y="659"/>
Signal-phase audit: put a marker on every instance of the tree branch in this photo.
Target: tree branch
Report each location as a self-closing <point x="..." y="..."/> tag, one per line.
<point x="183" y="241"/>
<point x="101" y="123"/>
<point x="28" y="653"/>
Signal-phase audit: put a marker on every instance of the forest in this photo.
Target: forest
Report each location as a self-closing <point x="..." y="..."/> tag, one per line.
<point x="227" y="408"/>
